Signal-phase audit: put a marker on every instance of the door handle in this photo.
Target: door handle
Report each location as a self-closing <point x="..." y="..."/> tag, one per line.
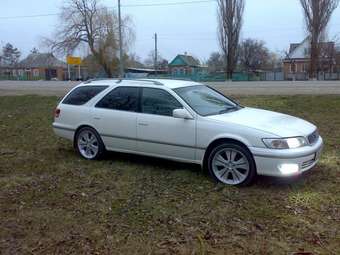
<point x="96" y="118"/>
<point x="143" y="124"/>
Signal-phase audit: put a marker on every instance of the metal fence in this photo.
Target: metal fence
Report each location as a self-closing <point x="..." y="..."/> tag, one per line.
<point x="216" y="77"/>
<point x="200" y="77"/>
<point x="321" y="76"/>
<point x="20" y="78"/>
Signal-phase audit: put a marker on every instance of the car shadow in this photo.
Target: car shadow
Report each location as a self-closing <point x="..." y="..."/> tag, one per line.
<point x="169" y="165"/>
<point x="148" y="161"/>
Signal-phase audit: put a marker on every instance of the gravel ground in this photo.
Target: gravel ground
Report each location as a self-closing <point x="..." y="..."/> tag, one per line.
<point x="59" y="88"/>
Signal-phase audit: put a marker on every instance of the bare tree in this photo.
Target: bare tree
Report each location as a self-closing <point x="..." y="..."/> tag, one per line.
<point x="87" y="22"/>
<point x="317" y="15"/>
<point x="134" y="61"/>
<point x="327" y="57"/>
<point x="215" y="62"/>
<point x="292" y="64"/>
<point x="253" y="55"/>
<point x="230" y="17"/>
<point x="150" y="60"/>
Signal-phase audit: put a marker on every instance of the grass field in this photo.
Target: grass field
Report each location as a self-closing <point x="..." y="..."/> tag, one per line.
<point x="54" y="202"/>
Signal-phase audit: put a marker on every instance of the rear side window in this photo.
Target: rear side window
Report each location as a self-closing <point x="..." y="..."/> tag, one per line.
<point x="82" y="95"/>
<point x="122" y="99"/>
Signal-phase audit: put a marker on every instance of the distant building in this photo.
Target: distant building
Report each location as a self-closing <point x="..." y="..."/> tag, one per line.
<point x="43" y="66"/>
<point x="184" y="65"/>
<point x="297" y="62"/>
<point x="131" y="72"/>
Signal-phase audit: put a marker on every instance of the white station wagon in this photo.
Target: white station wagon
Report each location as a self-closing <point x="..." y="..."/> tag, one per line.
<point x="189" y="122"/>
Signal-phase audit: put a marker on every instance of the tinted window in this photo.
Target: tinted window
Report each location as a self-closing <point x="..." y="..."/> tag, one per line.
<point x="122" y="98"/>
<point x="160" y="102"/>
<point x="82" y="95"/>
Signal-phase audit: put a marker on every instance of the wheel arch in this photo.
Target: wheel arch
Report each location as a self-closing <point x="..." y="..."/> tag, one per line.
<point x="80" y="127"/>
<point x="221" y="140"/>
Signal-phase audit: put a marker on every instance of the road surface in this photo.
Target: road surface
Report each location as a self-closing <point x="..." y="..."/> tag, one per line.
<point x="60" y="88"/>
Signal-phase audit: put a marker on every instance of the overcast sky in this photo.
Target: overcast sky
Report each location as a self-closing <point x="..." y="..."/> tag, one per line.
<point x="181" y="28"/>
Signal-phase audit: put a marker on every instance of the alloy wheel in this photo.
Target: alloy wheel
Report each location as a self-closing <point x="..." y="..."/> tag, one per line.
<point x="88" y="144"/>
<point x="230" y="166"/>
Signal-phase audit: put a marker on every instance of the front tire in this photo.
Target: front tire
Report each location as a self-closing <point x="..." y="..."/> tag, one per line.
<point x="232" y="164"/>
<point x="89" y="144"/>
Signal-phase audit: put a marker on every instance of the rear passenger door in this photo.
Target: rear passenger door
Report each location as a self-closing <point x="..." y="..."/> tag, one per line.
<point x="158" y="132"/>
<point x="115" y="118"/>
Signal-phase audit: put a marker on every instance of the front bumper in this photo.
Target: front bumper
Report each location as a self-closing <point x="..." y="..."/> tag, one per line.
<point x="269" y="161"/>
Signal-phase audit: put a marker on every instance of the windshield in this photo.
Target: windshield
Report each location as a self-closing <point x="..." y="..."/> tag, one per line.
<point x="206" y="101"/>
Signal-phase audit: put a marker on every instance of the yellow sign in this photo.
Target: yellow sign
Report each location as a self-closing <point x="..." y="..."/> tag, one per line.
<point x="73" y="60"/>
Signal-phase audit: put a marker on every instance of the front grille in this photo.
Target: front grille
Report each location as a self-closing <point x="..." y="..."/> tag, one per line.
<point x="313" y="137"/>
<point x="307" y="163"/>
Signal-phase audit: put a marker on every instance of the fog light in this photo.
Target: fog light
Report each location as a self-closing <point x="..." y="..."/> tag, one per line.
<point x="288" y="169"/>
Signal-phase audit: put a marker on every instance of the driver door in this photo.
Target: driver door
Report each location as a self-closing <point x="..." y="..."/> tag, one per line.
<point x="158" y="132"/>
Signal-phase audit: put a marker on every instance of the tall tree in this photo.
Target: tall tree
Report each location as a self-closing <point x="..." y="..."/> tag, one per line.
<point x="317" y="15"/>
<point x="253" y="55"/>
<point x="230" y="18"/>
<point x="10" y="55"/>
<point x="88" y="22"/>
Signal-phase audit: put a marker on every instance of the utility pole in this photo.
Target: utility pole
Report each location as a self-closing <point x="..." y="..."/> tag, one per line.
<point x="121" y="64"/>
<point x="156" y="53"/>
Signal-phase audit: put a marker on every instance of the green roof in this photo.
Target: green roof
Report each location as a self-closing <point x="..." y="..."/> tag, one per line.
<point x="185" y="60"/>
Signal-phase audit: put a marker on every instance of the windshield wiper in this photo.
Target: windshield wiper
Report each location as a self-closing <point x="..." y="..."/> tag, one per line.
<point x="229" y="109"/>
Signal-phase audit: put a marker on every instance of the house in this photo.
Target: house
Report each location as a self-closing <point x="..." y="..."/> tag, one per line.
<point x="185" y="65"/>
<point x="36" y="66"/>
<point x="297" y="62"/>
<point x="42" y="66"/>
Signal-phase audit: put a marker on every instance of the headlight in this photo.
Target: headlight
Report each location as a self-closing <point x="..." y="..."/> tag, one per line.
<point x="285" y="143"/>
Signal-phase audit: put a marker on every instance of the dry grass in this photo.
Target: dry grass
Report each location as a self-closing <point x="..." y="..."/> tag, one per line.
<point x="53" y="202"/>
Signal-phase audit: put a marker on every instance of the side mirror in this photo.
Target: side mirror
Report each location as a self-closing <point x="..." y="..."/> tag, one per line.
<point x="182" y="114"/>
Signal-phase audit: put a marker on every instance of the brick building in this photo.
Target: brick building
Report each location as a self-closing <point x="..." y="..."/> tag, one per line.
<point x="41" y="66"/>
<point x="297" y="62"/>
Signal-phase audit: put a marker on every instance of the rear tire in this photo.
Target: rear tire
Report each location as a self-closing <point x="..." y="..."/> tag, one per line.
<point x="232" y="164"/>
<point x="89" y="144"/>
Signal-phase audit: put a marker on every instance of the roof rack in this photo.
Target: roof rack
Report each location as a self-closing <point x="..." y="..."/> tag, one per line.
<point x="98" y="79"/>
<point x="120" y="80"/>
<point x="153" y="81"/>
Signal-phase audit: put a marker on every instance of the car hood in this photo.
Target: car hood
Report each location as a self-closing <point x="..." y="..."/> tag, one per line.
<point x="278" y="124"/>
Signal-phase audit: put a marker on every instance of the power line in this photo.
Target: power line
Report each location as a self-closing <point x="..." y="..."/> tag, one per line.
<point x="126" y="5"/>
<point x="30" y="16"/>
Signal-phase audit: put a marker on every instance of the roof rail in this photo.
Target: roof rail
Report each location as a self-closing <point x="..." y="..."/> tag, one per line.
<point x="99" y="79"/>
<point x="120" y="80"/>
<point x="153" y="81"/>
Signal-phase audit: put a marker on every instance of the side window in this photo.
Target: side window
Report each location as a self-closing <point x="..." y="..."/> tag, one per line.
<point x="82" y="95"/>
<point x="159" y="102"/>
<point x="121" y="98"/>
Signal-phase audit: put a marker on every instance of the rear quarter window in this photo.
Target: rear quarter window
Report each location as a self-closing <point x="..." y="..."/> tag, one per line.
<point x="83" y="94"/>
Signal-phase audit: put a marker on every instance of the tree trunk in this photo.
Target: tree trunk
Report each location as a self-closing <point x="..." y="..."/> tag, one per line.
<point x="313" y="59"/>
<point x="230" y="64"/>
<point x="107" y="70"/>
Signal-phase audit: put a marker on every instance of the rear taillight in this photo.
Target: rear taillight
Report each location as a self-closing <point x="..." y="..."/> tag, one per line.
<point x="57" y="113"/>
